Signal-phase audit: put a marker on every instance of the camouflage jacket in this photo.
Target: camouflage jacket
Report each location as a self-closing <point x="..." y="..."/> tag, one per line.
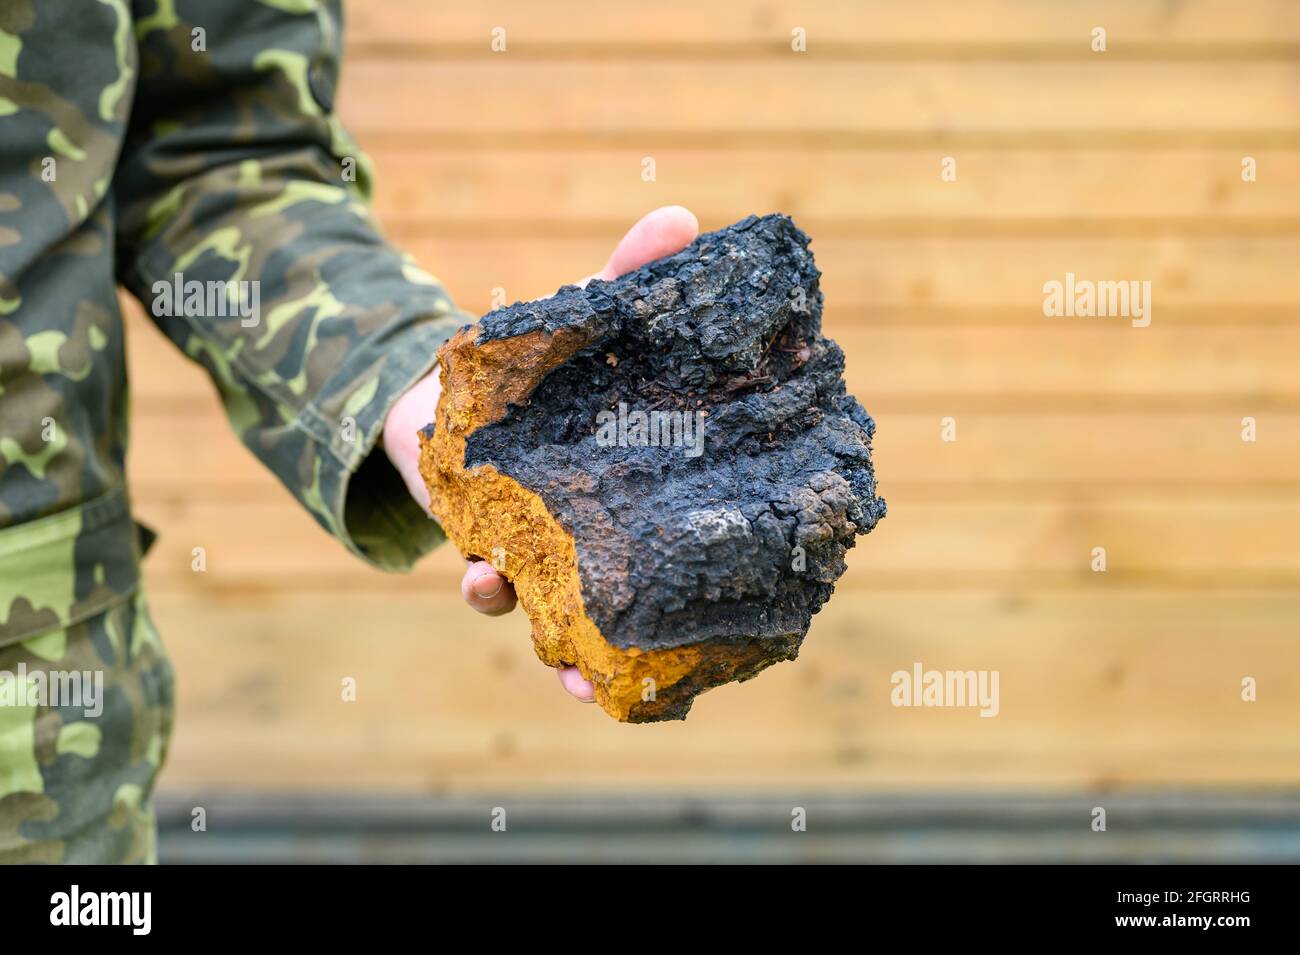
<point x="186" y="149"/>
<point x="172" y="143"/>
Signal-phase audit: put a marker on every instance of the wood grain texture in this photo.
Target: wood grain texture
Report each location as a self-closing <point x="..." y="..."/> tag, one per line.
<point x="1195" y="191"/>
<point x="787" y="96"/>
<point x="1207" y="24"/>
<point x="509" y="174"/>
<point x="1137" y="688"/>
<point x="1230" y="273"/>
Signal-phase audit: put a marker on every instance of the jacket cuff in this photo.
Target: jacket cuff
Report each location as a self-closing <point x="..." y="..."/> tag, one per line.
<point x="353" y="490"/>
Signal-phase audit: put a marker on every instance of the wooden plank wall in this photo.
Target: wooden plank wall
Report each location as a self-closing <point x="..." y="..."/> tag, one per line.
<point x="518" y="170"/>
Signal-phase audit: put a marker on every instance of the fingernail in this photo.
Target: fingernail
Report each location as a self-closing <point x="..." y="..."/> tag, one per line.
<point x="487" y="585"/>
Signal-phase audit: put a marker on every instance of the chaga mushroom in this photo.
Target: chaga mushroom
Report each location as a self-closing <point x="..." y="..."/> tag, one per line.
<point x="666" y="466"/>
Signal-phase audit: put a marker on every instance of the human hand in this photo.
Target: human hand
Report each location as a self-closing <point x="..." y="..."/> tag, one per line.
<point x="663" y="232"/>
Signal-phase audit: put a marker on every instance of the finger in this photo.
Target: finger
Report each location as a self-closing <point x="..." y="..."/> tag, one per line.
<point x="662" y="232"/>
<point x="487" y="591"/>
<point x="572" y="681"/>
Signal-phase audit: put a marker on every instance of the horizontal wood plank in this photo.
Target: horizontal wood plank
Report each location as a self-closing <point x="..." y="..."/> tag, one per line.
<point x="257" y="545"/>
<point x="1245" y="371"/>
<point x="598" y="191"/>
<point x="378" y="25"/>
<point x="1234" y="274"/>
<point x="996" y="454"/>
<point x="786" y="97"/>
<point x="1139" y="689"/>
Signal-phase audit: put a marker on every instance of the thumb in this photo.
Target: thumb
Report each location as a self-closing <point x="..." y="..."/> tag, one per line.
<point x="662" y="232"/>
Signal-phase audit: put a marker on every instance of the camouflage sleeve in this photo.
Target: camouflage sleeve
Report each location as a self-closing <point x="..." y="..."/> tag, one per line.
<point x="245" y="232"/>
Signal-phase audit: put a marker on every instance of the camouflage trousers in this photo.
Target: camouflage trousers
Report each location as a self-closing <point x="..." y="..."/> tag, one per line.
<point x="85" y="719"/>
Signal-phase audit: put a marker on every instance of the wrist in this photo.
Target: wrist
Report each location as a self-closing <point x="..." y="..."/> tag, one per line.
<point x="401" y="439"/>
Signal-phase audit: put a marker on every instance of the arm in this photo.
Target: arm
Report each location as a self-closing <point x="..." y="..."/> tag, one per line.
<point x="235" y="170"/>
